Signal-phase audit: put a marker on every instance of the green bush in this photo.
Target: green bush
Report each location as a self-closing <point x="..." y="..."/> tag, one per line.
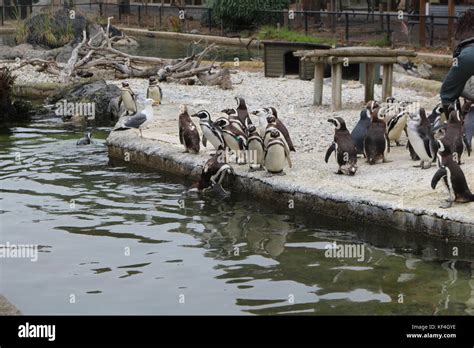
<point x="234" y="14"/>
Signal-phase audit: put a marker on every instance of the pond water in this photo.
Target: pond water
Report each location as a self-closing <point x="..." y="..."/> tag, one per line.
<point x="123" y="240"/>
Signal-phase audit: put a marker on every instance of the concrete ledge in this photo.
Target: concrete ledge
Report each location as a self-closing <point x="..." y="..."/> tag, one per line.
<point x="6" y="308"/>
<point x="329" y="200"/>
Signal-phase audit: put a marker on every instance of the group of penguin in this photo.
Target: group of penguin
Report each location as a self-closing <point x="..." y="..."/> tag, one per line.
<point x="265" y="145"/>
<point x="430" y="139"/>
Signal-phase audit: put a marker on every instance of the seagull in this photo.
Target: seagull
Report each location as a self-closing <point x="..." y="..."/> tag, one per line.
<point x="139" y="118"/>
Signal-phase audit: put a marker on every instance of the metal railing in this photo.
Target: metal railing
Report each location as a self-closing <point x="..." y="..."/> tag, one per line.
<point x="348" y="25"/>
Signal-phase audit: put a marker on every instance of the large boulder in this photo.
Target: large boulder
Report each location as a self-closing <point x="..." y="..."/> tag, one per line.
<point x="101" y="96"/>
<point x="56" y="29"/>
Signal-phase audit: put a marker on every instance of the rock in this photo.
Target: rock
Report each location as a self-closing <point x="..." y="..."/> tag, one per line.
<point x="194" y="31"/>
<point x="55" y="30"/>
<point x="423" y="70"/>
<point x="102" y="95"/>
<point x="126" y="42"/>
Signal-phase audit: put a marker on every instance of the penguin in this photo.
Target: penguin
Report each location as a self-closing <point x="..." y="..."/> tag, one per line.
<point x="139" y="118"/>
<point x="188" y="133"/>
<point x="272" y="125"/>
<point x="255" y="148"/>
<point x="262" y="115"/>
<point x="234" y="119"/>
<point x="396" y="126"/>
<point x="454" y="135"/>
<point x="154" y="91"/>
<point x="421" y="138"/>
<point x="281" y="127"/>
<point x="242" y="111"/>
<point x="210" y="131"/>
<point x="214" y="173"/>
<point x="390" y="109"/>
<point x="234" y="139"/>
<point x="128" y="99"/>
<point x="436" y="117"/>
<point x="376" y="143"/>
<point x="86" y="140"/>
<point x="360" y="130"/>
<point x="468" y="125"/>
<point x="453" y="177"/>
<point x="346" y="151"/>
<point x="276" y="154"/>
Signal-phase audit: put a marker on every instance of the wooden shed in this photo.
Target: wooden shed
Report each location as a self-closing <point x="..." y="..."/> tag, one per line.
<point x="280" y="61"/>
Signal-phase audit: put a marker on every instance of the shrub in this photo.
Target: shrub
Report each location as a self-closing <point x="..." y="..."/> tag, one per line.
<point x="234" y="14"/>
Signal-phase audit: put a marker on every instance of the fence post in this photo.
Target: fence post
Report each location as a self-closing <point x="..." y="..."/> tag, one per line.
<point x="388" y="28"/>
<point x="346" y="17"/>
<point x="160" y="15"/>
<point x="305" y="23"/>
<point x="140" y="15"/>
<point x="431" y="29"/>
<point x="3" y="15"/>
<point x="120" y="11"/>
<point x="381" y="16"/>
<point x="100" y="9"/>
<point x="209" y="12"/>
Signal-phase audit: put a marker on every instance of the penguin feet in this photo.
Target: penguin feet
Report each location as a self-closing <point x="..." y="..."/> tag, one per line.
<point x="399" y="143"/>
<point x="339" y="172"/>
<point x="386" y="161"/>
<point x="446" y="205"/>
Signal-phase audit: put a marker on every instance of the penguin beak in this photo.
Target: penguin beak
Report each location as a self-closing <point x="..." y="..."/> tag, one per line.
<point x="332" y="121"/>
<point x="194" y="115"/>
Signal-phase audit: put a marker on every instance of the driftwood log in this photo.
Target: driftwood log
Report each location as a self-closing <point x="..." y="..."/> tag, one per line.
<point x="98" y="52"/>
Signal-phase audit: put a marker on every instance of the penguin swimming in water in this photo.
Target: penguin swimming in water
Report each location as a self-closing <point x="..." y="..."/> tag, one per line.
<point x="454" y="135"/>
<point x="346" y="151"/>
<point x="137" y="120"/>
<point x="188" y="133"/>
<point x="214" y="173"/>
<point x="154" y="91"/>
<point x="453" y="177"/>
<point x="376" y="143"/>
<point x="421" y="138"/>
<point x="86" y="140"/>
<point x="128" y="99"/>
<point x="276" y="154"/>
<point x="281" y="127"/>
<point x="210" y="131"/>
<point x="360" y="130"/>
<point x="234" y="139"/>
<point x="255" y="148"/>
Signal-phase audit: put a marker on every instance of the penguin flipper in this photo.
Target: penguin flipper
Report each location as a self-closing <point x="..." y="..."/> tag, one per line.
<point x="181" y="136"/>
<point x="441" y="173"/>
<point x="204" y="140"/>
<point x="287" y="153"/>
<point x="331" y="149"/>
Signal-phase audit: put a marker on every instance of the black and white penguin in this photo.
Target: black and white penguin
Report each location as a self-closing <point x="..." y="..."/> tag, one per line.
<point x="137" y="120"/>
<point x="376" y="143"/>
<point x="214" y="173"/>
<point x="454" y="135"/>
<point x="272" y="125"/>
<point x="281" y="127"/>
<point x="396" y="126"/>
<point x="234" y="119"/>
<point x="276" y="154"/>
<point x="128" y="99"/>
<point x="390" y="109"/>
<point x="421" y="138"/>
<point x="234" y="139"/>
<point x="242" y="111"/>
<point x="210" y="131"/>
<point x="86" y="140"/>
<point x="453" y="177"/>
<point x="255" y="149"/>
<point x="437" y="118"/>
<point x="154" y="91"/>
<point x="262" y="115"/>
<point x="346" y="151"/>
<point x="360" y="130"/>
<point x="188" y="133"/>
